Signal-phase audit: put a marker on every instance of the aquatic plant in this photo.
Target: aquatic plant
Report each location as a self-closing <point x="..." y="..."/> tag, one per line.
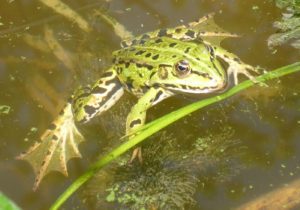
<point x="289" y="25"/>
<point x="170" y="174"/>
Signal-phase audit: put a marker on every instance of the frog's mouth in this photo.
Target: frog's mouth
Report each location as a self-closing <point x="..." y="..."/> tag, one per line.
<point x="198" y="96"/>
<point x="210" y="91"/>
<point x="188" y="89"/>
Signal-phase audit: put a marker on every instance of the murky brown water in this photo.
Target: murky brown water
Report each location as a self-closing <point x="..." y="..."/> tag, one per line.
<point x="34" y="83"/>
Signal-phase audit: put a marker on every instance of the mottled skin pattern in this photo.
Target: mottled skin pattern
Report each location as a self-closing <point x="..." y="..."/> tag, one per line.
<point x="147" y="66"/>
<point x="153" y="67"/>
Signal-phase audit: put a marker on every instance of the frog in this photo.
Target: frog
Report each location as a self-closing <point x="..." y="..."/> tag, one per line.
<point x="153" y="67"/>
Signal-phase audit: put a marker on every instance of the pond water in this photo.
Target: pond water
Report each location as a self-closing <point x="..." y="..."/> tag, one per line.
<point x="35" y="80"/>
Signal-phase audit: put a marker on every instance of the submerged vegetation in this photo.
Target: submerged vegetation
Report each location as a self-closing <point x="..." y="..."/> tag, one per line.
<point x="170" y="174"/>
<point x="289" y="25"/>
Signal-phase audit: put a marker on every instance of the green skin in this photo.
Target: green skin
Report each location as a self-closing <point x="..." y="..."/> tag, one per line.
<point x="155" y="66"/>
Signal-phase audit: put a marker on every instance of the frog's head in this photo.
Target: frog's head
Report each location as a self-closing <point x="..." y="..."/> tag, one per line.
<point x="190" y="76"/>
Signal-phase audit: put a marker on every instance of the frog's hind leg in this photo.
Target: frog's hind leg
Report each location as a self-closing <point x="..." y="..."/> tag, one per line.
<point x="89" y="102"/>
<point x="56" y="146"/>
<point x="60" y="141"/>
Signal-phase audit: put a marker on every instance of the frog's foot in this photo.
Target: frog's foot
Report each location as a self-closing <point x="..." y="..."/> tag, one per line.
<point x="201" y="20"/>
<point x="240" y="68"/>
<point x="137" y="153"/>
<point x="56" y="147"/>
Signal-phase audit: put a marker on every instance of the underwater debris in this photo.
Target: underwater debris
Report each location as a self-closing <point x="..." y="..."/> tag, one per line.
<point x="4" y="109"/>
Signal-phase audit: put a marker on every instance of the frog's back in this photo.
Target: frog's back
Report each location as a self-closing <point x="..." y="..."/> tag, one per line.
<point x="137" y="64"/>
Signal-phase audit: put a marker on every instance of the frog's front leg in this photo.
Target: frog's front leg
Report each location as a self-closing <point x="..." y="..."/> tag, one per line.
<point x="235" y="65"/>
<point x="89" y="102"/>
<point x="137" y="116"/>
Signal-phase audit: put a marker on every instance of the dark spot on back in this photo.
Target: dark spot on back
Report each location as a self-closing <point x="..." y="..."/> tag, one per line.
<point x="187" y="50"/>
<point x="140" y="52"/>
<point x="158" y="40"/>
<point x="190" y="33"/>
<point x="149" y="67"/>
<point x="177" y="30"/>
<point x="155" y="57"/>
<point x="172" y="44"/>
<point x="148" y="55"/>
<point x="145" y="36"/>
<point x="162" y="32"/>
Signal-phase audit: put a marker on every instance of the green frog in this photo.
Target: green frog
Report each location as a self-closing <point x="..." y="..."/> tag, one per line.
<point x="152" y="66"/>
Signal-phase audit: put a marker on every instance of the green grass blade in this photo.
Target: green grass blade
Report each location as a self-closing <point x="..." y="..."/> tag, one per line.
<point x="7" y="204"/>
<point x="164" y="121"/>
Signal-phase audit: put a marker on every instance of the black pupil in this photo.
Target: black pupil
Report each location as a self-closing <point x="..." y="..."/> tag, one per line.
<point x="181" y="68"/>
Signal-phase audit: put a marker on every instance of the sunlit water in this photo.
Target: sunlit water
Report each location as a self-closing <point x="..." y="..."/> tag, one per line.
<point x="34" y="83"/>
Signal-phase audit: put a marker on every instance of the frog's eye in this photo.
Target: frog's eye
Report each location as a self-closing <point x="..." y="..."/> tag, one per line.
<point x="182" y="68"/>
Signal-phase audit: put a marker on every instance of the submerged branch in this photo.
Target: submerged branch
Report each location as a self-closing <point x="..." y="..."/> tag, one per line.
<point x="286" y="197"/>
<point x="65" y="10"/>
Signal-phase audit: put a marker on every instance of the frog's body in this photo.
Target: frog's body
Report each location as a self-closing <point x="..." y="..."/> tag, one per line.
<point x="151" y="72"/>
<point x="152" y="66"/>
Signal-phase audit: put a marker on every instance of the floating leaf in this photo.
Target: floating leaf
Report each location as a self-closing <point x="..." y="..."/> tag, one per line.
<point x="58" y="144"/>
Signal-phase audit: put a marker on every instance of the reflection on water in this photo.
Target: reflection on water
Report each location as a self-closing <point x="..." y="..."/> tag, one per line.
<point x="36" y="77"/>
